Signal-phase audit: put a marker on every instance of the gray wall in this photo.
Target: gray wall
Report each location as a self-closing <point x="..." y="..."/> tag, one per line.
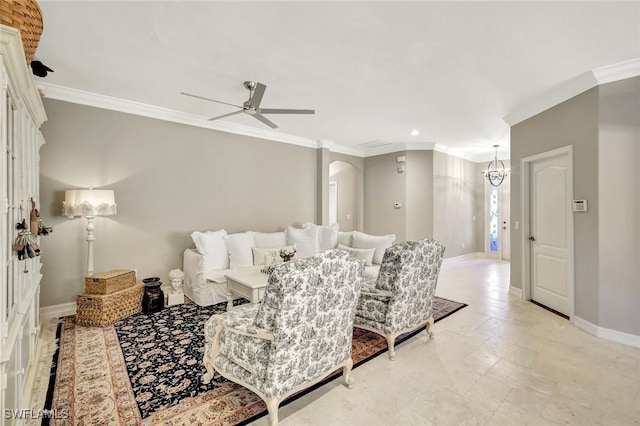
<point x="322" y="186"/>
<point x="383" y="186"/>
<point x="419" y="195"/>
<point x="169" y="180"/>
<point x="479" y="206"/>
<point x="574" y="122"/>
<point x="455" y="203"/>
<point x="619" y="212"/>
<point x="346" y="176"/>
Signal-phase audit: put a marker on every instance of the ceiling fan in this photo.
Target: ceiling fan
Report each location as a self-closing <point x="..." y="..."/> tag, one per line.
<point x="252" y="105"/>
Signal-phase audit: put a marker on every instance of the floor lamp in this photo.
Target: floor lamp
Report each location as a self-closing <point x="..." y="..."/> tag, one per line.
<point x="89" y="203"/>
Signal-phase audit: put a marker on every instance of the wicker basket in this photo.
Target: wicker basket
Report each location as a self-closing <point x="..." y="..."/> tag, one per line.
<point x="109" y="282"/>
<point x="26" y="17"/>
<point x="101" y="311"/>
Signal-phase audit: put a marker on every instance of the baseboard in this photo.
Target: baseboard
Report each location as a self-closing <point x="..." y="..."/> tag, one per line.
<point x="57" y="311"/>
<point x="463" y="257"/>
<point x="515" y="291"/>
<point x="607" y="334"/>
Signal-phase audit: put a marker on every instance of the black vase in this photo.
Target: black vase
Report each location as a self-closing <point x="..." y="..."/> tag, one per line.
<point x="153" y="297"/>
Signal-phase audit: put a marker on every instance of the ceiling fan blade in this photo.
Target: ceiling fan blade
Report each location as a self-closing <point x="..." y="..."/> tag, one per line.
<point x="286" y="111"/>
<point x="258" y="92"/>
<point x="226" y="115"/>
<point x="265" y="120"/>
<point x="209" y="99"/>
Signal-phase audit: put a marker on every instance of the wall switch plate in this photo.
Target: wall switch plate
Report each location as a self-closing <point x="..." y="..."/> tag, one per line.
<point x="517" y="225"/>
<point x="579" y="205"/>
<point x="397" y="205"/>
<point x="401" y="159"/>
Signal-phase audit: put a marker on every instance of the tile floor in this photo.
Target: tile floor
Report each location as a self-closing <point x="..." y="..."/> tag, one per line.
<point x="499" y="361"/>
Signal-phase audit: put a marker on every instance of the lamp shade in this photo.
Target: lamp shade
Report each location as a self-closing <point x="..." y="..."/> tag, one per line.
<point x="89" y="202"/>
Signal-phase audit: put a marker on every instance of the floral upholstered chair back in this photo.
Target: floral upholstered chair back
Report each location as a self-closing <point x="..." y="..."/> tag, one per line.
<point x="410" y="271"/>
<point x="309" y="305"/>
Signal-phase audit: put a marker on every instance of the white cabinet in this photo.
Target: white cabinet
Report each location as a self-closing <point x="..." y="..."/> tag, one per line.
<point x="21" y="115"/>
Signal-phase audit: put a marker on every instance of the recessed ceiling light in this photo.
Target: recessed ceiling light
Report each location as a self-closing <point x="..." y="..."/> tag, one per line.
<point x="415" y="132"/>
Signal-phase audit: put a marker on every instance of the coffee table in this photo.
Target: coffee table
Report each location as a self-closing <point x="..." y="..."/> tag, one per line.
<point x="248" y="283"/>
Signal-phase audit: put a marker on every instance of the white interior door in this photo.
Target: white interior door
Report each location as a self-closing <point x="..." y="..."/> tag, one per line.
<point x="550" y="205"/>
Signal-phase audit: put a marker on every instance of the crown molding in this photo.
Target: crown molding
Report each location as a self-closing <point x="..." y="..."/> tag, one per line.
<point x="348" y="150"/>
<point x="476" y="157"/>
<point x="574" y="87"/>
<point x="616" y="72"/>
<point x="561" y="93"/>
<point x="398" y="147"/>
<point x="82" y="97"/>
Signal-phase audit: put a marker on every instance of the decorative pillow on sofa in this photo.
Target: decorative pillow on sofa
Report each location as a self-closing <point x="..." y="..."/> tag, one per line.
<point x="269" y="239"/>
<point x="239" y="248"/>
<point x="212" y="247"/>
<point x="306" y="241"/>
<point x="259" y="252"/>
<point x="327" y="235"/>
<point x="362" y="254"/>
<point x="345" y="238"/>
<point x="380" y="243"/>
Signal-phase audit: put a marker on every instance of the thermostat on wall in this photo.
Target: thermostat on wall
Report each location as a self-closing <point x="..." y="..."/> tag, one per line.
<point x="579" y="205"/>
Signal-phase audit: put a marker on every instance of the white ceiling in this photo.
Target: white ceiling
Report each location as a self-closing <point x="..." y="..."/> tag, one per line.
<point x="373" y="71"/>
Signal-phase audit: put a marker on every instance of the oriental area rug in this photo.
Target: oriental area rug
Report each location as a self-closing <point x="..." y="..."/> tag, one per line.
<point x="146" y="370"/>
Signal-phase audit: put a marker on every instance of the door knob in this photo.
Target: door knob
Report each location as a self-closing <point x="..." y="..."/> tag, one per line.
<point x="532" y="238"/>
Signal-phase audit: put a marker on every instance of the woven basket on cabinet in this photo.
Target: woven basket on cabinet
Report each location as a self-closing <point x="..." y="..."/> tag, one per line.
<point x="25" y="16"/>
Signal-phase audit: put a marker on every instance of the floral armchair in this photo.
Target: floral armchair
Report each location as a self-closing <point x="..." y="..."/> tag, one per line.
<point x="300" y="334"/>
<point x="401" y="299"/>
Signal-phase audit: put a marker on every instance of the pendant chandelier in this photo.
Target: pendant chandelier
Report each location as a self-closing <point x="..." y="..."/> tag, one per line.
<point x="496" y="171"/>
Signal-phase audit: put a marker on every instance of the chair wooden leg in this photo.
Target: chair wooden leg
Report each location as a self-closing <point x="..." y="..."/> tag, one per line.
<point x="430" y="327"/>
<point x="206" y="377"/>
<point x="346" y="372"/>
<point x="391" y="343"/>
<point x="272" y="408"/>
<point x="210" y="356"/>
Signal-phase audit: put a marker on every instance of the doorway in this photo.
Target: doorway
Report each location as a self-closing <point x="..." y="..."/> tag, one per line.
<point x="497" y="214"/>
<point x="345" y="203"/>
<point x="547" y="231"/>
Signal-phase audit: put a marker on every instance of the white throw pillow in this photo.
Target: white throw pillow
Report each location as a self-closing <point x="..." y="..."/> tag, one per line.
<point x="362" y="254"/>
<point x="211" y="246"/>
<point x="380" y="243"/>
<point x="269" y="239"/>
<point x="239" y="248"/>
<point x="327" y="235"/>
<point x="306" y="241"/>
<point x="259" y="252"/>
<point x="345" y="238"/>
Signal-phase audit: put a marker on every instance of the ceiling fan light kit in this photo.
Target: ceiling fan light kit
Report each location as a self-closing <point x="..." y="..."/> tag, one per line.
<point x="252" y="105"/>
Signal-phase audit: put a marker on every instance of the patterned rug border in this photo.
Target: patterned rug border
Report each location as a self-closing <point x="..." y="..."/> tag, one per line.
<point x="401" y="339"/>
<point x="48" y="402"/>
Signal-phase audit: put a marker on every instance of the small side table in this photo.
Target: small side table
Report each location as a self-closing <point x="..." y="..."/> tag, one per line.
<point x="248" y="283"/>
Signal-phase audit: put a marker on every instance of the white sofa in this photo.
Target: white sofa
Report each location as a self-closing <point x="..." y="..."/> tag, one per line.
<point x="217" y="253"/>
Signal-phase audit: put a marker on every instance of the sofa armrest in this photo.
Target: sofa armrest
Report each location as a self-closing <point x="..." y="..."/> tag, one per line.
<point x="193" y="266"/>
<point x="369" y="289"/>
